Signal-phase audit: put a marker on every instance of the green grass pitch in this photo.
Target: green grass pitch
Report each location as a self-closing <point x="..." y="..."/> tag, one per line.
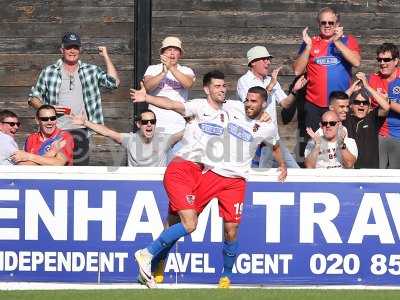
<point x="208" y="294"/>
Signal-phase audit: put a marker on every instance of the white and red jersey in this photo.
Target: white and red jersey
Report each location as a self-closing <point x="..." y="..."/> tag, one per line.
<point x="203" y="135"/>
<point x="225" y="140"/>
<point x="242" y="137"/>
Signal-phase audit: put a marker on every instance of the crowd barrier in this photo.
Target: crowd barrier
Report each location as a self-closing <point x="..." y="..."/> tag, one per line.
<point x="83" y="224"/>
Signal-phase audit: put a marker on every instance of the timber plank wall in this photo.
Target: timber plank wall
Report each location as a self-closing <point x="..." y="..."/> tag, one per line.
<point x="30" y="38"/>
<point x="215" y="34"/>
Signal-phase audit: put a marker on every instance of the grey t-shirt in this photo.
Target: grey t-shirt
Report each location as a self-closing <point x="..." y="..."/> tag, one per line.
<point x="141" y="154"/>
<point x="70" y="95"/>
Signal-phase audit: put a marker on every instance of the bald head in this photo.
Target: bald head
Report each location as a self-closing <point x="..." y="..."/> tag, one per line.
<point x="330" y="115"/>
<point x="329" y="124"/>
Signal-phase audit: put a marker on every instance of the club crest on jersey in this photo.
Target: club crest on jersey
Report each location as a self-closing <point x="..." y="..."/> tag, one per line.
<point x="211" y="129"/>
<point x="240" y="132"/>
<point x="327" y="60"/>
<point x="47" y="144"/>
<point x="396" y="90"/>
<point x="255" y="128"/>
<point x="190" y="199"/>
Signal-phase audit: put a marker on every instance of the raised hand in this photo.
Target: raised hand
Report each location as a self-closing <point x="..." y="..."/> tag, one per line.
<point x="138" y="95"/>
<point x="78" y="119"/>
<point x="362" y="77"/>
<point x="338" y="33"/>
<point x="166" y="61"/>
<point x="356" y="85"/>
<point x="314" y="136"/>
<point x="341" y="134"/>
<point x="300" y="83"/>
<point x="306" y="38"/>
<point x="103" y="51"/>
<point x="274" y="78"/>
<point x="275" y="73"/>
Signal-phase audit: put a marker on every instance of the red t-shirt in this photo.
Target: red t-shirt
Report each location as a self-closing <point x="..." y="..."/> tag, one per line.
<point x="391" y="126"/>
<point x="37" y="144"/>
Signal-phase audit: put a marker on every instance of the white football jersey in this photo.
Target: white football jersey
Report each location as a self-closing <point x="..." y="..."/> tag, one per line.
<point x="204" y="133"/>
<point x="241" y="139"/>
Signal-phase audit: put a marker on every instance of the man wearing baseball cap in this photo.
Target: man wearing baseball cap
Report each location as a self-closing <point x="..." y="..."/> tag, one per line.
<point x="258" y="61"/>
<point x="171" y="80"/>
<point x="72" y="86"/>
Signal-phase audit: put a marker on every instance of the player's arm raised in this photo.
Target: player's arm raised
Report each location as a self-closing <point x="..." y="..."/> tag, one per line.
<point x="161" y="102"/>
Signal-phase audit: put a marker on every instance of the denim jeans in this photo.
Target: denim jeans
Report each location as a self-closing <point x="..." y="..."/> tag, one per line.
<point x="171" y="152"/>
<point x="267" y="160"/>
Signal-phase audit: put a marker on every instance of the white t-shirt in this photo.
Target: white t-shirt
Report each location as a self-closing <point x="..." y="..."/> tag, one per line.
<point x="142" y="154"/>
<point x="168" y="120"/>
<point x="201" y="140"/>
<point x="242" y="137"/>
<point x="277" y="94"/>
<point x="329" y="156"/>
<point x="7" y="147"/>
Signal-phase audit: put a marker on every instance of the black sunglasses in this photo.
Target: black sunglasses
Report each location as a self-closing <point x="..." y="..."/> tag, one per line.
<point x="46" y="119"/>
<point x="263" y="58"/>
<point x="12" y="124"/>
<point x="324" y="23"/>
<point x="385" y="59"/>
<point x="359" y="102"/>
<point x="145" y="122"/>
<point x="331" y="123"/>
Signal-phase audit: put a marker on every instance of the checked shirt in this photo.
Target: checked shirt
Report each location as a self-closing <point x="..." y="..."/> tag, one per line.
<point x="92" y="78"/>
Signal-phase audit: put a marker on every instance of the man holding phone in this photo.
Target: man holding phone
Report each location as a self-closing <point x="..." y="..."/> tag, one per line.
<point x="327" y="59"/>
<point x="73" y="86"/>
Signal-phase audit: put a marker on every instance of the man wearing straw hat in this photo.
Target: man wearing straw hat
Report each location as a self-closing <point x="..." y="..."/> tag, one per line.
<point x="171" y="80"/>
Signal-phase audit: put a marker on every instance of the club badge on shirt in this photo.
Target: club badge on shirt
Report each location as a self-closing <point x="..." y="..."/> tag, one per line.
<point x="255" y="128"/>
<point x="190" y="199"/>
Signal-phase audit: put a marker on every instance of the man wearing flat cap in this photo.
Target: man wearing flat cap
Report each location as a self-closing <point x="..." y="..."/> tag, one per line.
<point x="171" y="80"/>
<point x="258" y="61"/>
<point x="72" y="86"/>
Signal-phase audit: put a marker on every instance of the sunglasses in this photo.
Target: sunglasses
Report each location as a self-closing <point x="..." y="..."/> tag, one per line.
<point x="12" y="124"/>
<point x="331" y="123"/>
<point x="145" y="122"/>
<point x="324" y="23"/>
<point x="46" y="119"/>
<point x="359" y="102"/>
<point x="71" y="82"/>
<point x="384" y="59"/>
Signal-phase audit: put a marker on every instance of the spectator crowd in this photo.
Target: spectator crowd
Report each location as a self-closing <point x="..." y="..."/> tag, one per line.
<point x="346" y="121"/>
